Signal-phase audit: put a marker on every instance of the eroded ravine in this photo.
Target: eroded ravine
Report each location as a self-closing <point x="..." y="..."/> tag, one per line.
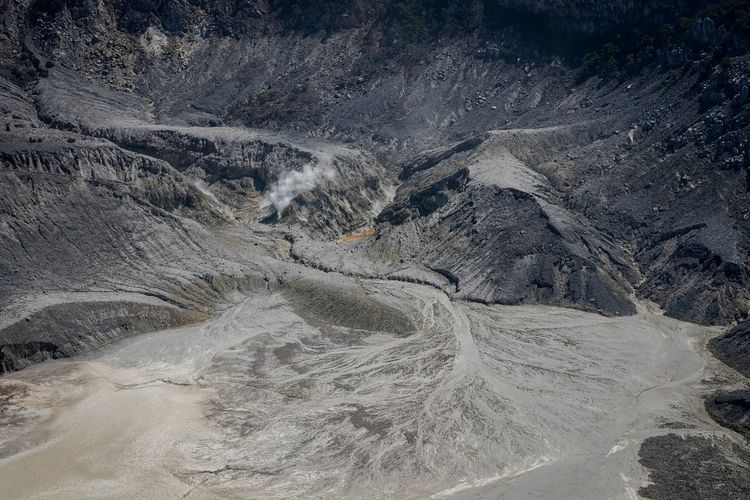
<point x="276" y="397"/>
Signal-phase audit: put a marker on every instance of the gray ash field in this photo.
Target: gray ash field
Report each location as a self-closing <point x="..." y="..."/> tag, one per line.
<point x="382" y="249"/>
<point x="395" y="391"/>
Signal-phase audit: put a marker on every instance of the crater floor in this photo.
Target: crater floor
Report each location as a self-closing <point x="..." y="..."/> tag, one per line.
<point x="418" y="396"/>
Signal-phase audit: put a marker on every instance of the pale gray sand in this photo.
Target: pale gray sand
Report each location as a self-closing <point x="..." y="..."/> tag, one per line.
<point x="269" y="400"/>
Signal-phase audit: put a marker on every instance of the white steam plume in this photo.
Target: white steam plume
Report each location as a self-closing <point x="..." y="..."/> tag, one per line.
<point x="296" y="182"/>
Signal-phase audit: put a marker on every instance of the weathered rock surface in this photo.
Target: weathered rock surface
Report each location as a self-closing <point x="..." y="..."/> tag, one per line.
<point x="81" y="213"/>
<point x="694" y="467"/>
<point x="733" y="347"/>
<point x="496" y="229"/>
<point x="731" y="409"/>
<point x="64" y="330"/>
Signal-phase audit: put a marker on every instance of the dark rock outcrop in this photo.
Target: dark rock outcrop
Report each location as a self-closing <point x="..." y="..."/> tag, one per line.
<point x="733" y="347"/>
<point x="63" y="330"/>
<point x="731" y="409"/>
<point x="477" y="213"/>
<point x="693" y="468"/>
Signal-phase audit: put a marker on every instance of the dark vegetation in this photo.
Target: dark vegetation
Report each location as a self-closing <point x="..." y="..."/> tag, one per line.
<point x="404" y="20"/>
<point x="327" y="15"/>
<point x="627" y="54"/>
<point x="419" y="20"/>
<point x="734" y="14"/>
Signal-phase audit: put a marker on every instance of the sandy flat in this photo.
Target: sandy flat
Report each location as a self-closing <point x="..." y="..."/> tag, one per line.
<point x="268" y="399"/>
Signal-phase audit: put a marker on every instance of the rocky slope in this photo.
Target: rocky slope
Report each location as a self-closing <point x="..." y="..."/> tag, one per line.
<point x="733" y="348"/>
<point x="658" y="149"/>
